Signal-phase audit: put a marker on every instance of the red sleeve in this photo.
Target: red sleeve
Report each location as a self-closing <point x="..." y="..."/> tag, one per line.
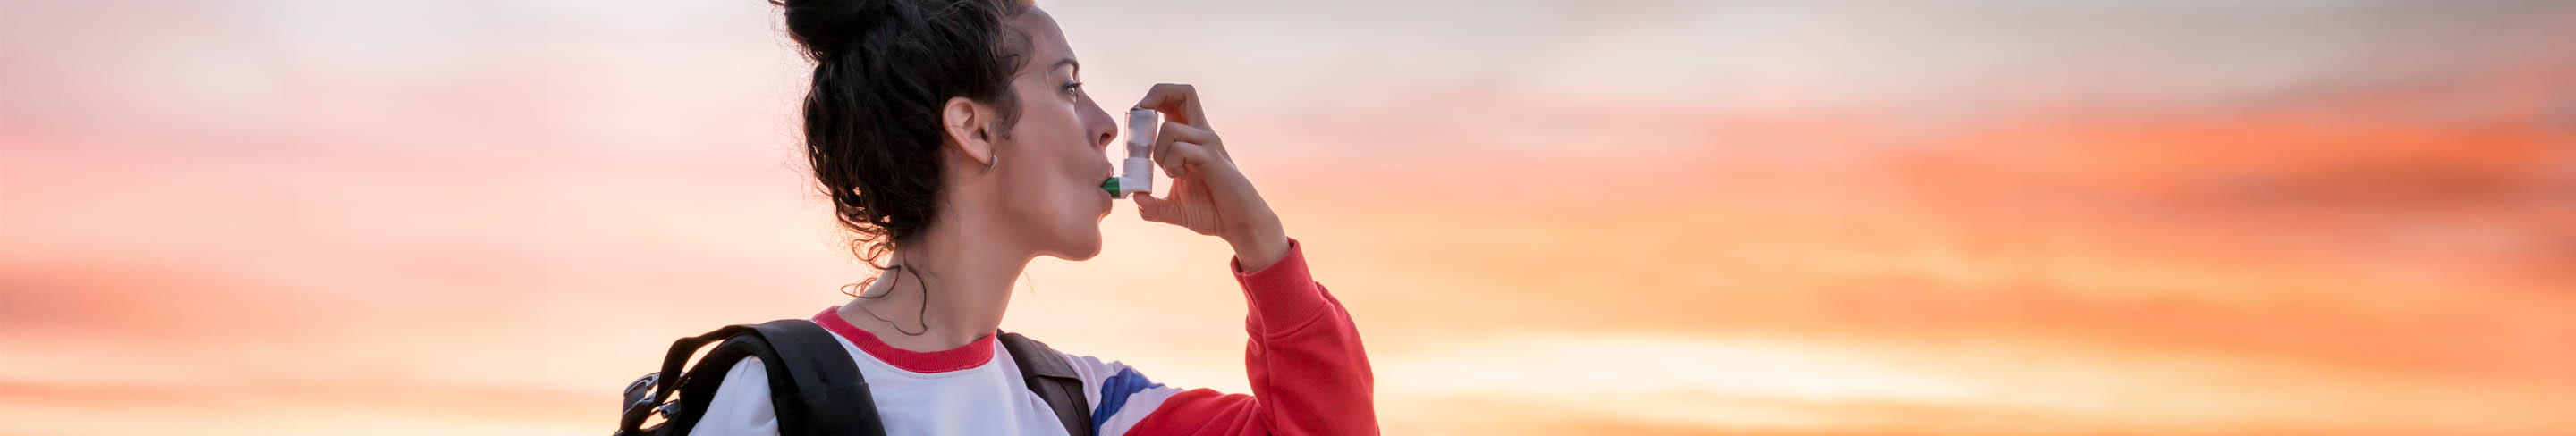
<point x="1309" y="375"/>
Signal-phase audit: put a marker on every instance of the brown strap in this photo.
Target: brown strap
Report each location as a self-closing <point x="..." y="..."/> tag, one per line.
<point x="1046" y="373"/>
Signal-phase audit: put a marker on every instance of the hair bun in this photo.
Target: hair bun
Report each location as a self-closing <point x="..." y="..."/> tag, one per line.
<point x="883" y="71"/>
<point x="825" y="27"/>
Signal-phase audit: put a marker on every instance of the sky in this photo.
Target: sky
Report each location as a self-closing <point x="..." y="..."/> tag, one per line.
<point x="1570" y="217"/>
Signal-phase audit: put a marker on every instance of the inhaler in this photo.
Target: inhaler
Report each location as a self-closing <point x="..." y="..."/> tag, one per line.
<point x="1138" y="175"/>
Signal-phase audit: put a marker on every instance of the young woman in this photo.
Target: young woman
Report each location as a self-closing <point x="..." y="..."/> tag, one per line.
<point x="955" y="140"/>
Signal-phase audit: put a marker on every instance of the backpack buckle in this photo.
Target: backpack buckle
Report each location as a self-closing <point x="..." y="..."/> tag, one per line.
<point x="640" y="392"/>
<point x="639" y="402"/>
<point x="668" y="410"/>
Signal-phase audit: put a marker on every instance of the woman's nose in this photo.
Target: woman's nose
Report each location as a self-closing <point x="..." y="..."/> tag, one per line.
<point x="1097" y="122"/>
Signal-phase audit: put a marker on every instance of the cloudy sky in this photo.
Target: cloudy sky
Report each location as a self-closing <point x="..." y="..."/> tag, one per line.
<point x="1612" y="217"/>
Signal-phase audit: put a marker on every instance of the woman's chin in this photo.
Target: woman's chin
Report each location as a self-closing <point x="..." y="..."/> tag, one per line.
<point x="1077" y="251"/>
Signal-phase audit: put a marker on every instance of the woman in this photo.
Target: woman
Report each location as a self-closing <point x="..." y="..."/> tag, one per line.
<point x="955" y="140"/>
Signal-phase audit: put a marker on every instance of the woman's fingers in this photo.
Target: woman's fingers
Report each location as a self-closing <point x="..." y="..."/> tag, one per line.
<point x="1176" y="101"/>
<point x="1208" y="195"/>
<point x="1181" y="206"/>
<point x="1175" y="136"/>
<point x="1149" y="207"/>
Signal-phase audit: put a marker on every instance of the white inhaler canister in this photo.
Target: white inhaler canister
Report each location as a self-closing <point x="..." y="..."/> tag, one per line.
<point x="1138" y="174"/>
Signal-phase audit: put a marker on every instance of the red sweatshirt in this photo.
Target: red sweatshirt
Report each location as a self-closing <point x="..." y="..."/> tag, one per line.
<point x="1309" y="377"/>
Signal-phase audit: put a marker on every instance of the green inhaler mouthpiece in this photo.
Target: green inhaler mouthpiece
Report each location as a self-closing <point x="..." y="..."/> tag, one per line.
<point x="1111" y="185"/>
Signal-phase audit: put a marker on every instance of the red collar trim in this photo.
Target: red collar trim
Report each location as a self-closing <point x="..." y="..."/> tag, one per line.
<point x="971" y="355"/>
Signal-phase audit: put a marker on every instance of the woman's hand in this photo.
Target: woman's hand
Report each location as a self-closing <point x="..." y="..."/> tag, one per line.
<point x="1208" y="194"/>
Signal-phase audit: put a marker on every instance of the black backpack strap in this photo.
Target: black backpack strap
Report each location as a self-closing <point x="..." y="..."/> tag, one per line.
<point x="833" y="396"/>
<point x="814" y="386"/>
<point x="1046" y="374"/>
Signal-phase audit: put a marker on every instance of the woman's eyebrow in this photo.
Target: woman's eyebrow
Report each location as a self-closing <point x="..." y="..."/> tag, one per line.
<point x="1077" y="66"/>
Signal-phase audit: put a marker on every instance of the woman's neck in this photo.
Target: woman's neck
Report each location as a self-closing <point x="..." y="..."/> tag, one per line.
<point x="946" y="291"/>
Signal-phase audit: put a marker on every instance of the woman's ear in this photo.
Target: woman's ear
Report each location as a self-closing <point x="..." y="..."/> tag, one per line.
<point x="969" y="129"/>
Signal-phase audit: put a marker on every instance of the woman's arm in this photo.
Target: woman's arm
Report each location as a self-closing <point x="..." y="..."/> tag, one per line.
<point x="1309" y="373"/>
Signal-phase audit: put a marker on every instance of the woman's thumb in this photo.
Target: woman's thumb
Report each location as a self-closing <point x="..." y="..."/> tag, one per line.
<point x="1149" y="207"/>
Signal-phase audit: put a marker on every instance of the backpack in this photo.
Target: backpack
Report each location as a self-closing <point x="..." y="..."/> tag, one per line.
<point x="813" y="385"/>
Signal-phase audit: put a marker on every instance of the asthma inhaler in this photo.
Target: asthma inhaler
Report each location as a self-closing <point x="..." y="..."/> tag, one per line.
<point x="1138" y="175"/>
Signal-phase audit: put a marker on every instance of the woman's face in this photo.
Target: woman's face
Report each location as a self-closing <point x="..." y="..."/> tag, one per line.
<point x="1054" y="159"/>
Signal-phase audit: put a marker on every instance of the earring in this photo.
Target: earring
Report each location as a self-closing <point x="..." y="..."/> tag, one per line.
<point x="997" y="159"/>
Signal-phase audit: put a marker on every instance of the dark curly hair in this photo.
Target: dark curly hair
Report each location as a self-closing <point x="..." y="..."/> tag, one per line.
<point x="883" y="69"/>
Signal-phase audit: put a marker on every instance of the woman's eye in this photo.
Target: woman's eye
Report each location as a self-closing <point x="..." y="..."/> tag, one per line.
<point x="1072" y="86"/>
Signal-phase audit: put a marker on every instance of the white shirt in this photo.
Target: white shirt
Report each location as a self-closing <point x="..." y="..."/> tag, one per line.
<point x="972" y="390"/>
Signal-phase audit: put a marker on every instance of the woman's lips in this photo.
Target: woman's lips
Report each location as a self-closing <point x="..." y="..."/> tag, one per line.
<point x="1106" y="202"/>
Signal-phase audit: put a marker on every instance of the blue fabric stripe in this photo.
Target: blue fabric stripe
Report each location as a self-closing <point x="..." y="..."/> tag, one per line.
<point x="1114" y="392"/>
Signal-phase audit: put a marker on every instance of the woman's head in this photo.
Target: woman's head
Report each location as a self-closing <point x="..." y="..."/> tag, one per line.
<point x="950" y="112"/>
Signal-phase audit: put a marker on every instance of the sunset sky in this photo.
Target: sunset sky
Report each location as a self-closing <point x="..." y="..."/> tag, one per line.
<point x="1570" y="217"/>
